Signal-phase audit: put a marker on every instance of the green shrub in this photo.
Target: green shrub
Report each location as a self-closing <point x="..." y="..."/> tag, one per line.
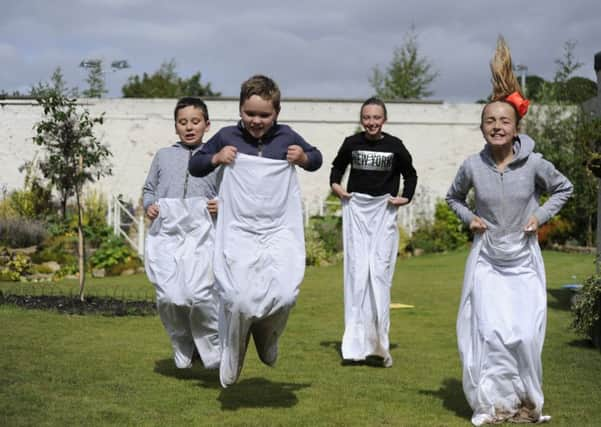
<point x="58" y="226"/>
<point x="95" y="207"/>
<point x="95" y="227"/>
<point x="13" y="265"/>
<point x="21" y="232"/>
<point x="96" y="235"/>
<point x="333" y="207"/>
<point x="323" y="240"/>
<point x="445" y="233"/>
<point x="587" y="310"/>
<point x="6" y="209"/>
<point x="404" y="241"/>
<point x="67" y="270"/>
<point x="316" y="253"/>
<point x="329" y="231"/>
<point x="132" y="263"/>
<point x="61" y="248"/>
<point x="42" y="269"/>
<point x="32" y="203"/>
<point x="113" y="252"/>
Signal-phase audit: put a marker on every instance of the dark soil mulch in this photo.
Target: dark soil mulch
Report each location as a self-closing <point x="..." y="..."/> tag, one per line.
<point x="72" y="305"/>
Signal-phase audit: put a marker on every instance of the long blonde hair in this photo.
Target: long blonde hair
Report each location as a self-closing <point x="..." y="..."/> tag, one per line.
<point x="503" y="79"/>
<point x="505" y="86"/>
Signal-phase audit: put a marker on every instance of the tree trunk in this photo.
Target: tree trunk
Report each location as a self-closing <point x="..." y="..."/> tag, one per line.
<point x="64" y="207"/>
<point x="589" y="231"/>
<point x="81" y="253"/>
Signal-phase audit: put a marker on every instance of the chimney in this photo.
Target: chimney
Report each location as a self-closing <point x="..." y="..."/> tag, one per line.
<point x="598" y="71"/>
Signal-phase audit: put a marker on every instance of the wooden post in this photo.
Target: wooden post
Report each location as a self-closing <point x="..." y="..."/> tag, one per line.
<point x="598" y="258"/>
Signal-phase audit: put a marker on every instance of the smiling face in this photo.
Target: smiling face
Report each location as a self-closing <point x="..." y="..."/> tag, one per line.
<point x="191" y="125"/>
<point x="499" y="124"/>
<point x="373" y="118"/>
<point x="258" y="115"/>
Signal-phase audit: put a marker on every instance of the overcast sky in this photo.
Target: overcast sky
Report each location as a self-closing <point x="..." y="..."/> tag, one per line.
<point x="323" y="48"/>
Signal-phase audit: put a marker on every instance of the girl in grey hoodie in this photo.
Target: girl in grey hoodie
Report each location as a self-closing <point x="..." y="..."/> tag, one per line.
<point x="502" y="313"/>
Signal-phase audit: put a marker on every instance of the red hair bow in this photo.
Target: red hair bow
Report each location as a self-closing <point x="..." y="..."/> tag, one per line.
<point x="519" y="102"/>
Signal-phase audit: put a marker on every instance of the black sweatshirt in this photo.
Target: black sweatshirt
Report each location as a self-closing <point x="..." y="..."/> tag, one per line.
<point x="376" y="166"/>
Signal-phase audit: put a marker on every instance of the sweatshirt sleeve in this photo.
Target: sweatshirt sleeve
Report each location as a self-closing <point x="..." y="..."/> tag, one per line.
<point x="340" y="163"/>
<point x="149" y="191"/>
<point x="409" y="174"/>
<point x="557" y="185"/>
<point x="314" y="156"/>
<point x="457" y="194"/>
<point x="200" y="164"/>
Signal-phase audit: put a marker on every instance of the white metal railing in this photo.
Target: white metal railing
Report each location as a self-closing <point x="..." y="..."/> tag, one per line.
<point x="113" y="218"/>
<point x="315" y="206"/>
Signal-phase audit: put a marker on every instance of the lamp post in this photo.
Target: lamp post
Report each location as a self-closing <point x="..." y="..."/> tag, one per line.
<point x="95" y="65"/>
<point x="119" y="65"/>
<point x="523" y="70"/>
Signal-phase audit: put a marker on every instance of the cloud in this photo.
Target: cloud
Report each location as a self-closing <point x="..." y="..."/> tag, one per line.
<point x="313" y="48"/>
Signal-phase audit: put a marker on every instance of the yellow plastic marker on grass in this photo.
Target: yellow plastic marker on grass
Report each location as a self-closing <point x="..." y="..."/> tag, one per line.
<point x="397" y="305"/>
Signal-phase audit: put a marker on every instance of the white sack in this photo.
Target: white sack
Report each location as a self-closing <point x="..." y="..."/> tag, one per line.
<point x="178" y="261"/>
<point x="501" y="326"/>
<point x="259" y="257"/>
<point x="370" y="237"/>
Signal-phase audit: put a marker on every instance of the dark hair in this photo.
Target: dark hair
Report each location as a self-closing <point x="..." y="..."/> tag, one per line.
<point x="191" y="101"/>
<point x="374" y="101"/>
<point x="262" y="86"/>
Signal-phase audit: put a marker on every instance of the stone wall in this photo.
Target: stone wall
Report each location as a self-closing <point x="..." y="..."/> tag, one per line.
<point x="438" y="135"/>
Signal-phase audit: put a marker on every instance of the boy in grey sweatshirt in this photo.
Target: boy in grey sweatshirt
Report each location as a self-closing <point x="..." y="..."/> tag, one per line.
<point x="179" y="245"/>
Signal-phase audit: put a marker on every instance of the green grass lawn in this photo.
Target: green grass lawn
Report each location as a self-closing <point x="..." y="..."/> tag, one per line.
<point x="60" y="370"/>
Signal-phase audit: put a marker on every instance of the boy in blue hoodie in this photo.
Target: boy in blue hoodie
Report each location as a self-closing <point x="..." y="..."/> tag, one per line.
<point x="259" y="246"/>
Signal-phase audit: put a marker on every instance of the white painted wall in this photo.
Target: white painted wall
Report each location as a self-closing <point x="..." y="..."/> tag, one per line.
<point x="438" y="135"/>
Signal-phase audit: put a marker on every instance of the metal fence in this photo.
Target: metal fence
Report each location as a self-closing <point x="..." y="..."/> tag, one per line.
<point x="121" y="220"/>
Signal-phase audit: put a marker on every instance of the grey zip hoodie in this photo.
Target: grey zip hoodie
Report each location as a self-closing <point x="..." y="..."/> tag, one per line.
<point x="505" y="200"/>
<point x="168" y="176"/>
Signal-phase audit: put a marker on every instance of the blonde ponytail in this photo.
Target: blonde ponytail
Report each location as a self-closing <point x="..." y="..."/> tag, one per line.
<point x="505" y="86"/>
<point x="503" y="79"/>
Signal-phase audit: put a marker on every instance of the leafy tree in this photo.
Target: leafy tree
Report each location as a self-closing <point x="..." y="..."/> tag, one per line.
<point x="73" y="156"/>
<point x="56" y="86"/>
<point x="407" y="76"/>
<point x="96" y="85"/>
<point x="579" y="89"/>
<point x="165" y="83"/>
<point x="534" y="85"/>
<point x="4" y="94"/>
<point x="567" y="137"/>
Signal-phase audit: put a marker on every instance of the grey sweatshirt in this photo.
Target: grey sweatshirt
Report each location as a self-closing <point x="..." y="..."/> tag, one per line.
<point x="168" y="176"/>
<point x="505" y="200"/>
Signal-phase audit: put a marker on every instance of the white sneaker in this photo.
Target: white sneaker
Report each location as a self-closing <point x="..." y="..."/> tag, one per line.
<point x="387" y="362"/>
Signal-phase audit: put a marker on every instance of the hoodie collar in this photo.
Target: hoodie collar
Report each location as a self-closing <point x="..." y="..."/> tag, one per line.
<point x="193" y="148"/>
<point x="267" y="137"/>
<point x="523" y="145"/>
